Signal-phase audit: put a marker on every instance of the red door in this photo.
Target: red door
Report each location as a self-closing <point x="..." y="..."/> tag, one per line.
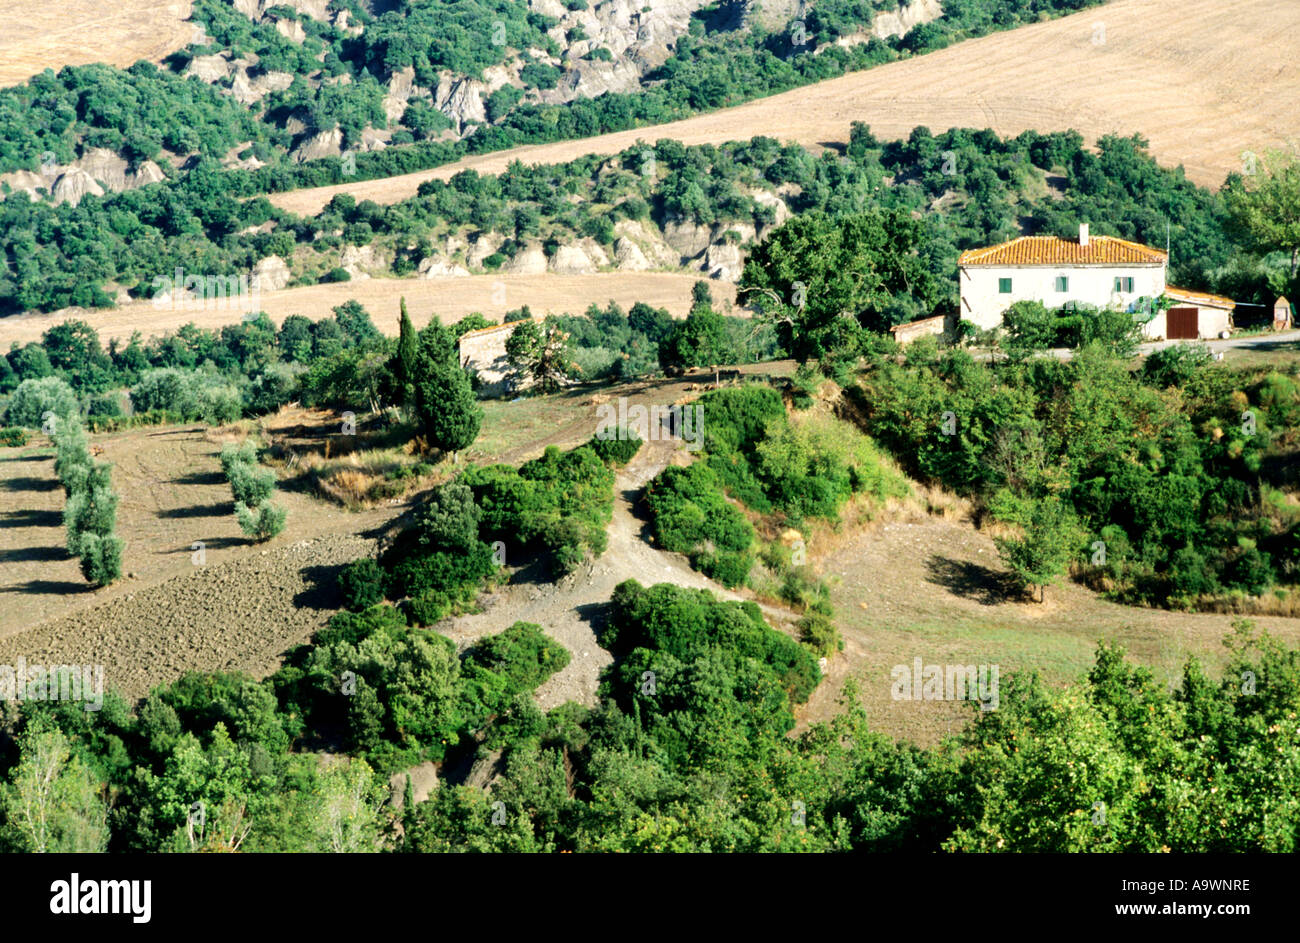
<point x="1181" y="324"/>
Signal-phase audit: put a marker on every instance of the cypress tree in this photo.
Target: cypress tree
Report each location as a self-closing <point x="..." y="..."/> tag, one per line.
<point x="404" y="361"/>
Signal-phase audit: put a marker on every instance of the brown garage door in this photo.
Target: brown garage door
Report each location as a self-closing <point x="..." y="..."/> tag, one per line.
<point x="1180" y="324"/>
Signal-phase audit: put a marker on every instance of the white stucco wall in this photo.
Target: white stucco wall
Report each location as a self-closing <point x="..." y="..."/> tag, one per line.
<point x="1210" y="322"/>
<point x="983" y="304"/>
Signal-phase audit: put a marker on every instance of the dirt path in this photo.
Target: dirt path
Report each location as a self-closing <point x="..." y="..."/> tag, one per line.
<point x="1201" y="79"/>
<point x="571" y="609"/>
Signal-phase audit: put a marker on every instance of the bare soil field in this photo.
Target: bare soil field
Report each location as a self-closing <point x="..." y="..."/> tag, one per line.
<point x="41" y="34"/>
<point x="1203" y="80"/>
<point x="450" y="297"/>
<point x="188" y="605"/>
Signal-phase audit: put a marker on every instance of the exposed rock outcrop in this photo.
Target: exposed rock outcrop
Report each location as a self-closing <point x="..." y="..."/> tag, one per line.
<point x="73" y="186"/>
<point x="441" y="268"/>
<point x="321" y="144"/>
<point x="270" y="274"/>
<point x="530" y="260"/>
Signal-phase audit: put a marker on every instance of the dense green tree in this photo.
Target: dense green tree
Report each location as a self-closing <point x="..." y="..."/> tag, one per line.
<point x="827" y="279"/>
<point x="1265" y="207"/>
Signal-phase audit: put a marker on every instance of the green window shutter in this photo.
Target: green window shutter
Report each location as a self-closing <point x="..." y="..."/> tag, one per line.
<point x="1004" y="286"/>
<point x="1062" y="283"/>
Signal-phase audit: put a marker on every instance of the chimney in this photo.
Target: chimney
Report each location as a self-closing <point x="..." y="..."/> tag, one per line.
<point x="1083" y="235"/>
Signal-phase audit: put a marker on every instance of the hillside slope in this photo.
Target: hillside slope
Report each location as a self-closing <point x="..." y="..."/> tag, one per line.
<point x="1204" y="80"/>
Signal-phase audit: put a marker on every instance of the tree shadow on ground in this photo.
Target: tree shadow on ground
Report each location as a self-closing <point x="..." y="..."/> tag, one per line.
<point x="984" y="585"/>
<point x="596" y="615"/>
<point x="200" y="478"/>
<point x="322" y="590"/>
<point x="49" y="588"/>
<point x="33" y="518"/>
<point x="212" y="543"/>
<point x="28" y="483"/>
<point x="33" y="554"/>
<point x="220" y="509"/>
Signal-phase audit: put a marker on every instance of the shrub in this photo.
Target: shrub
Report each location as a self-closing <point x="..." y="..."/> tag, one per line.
<point x="274" y="387"/>
<point x="362" y="584"/>
<point x="91" y="509"/>
<point x="450" y="519"/>
<point x="685" y="623"/>
<point x="101" y="558"/>
<point x="618" y="449"/>
<point x="692" y="516"/>
<point x="189" y="393"/>
<point x="416" y="574"/>
<point x="35" y="398"/>
<point x="235" y="454"/>
<point x="511" y="663"/>
<point x="250" y="485"/>
<point x="13" y="436"/>
<point x="104" y="406"/>
<point x="819" y="633"/>
<point x="261" y="523"/>
<point x="1176" y="365"/>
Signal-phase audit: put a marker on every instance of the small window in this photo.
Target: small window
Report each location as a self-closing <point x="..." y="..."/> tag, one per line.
<point x="1124" y="284"/>
<point x="1062" y="283"/>
<point x="1004" y="286"/>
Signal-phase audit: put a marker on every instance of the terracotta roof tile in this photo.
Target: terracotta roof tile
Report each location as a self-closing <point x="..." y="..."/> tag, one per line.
<point x="1203" y="297"/>
<point x="511" y="325"/>
<point x="1053" y="250"/>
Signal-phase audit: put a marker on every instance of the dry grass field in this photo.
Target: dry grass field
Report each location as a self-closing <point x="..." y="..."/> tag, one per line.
<point x="450" y="297"/>
<point x="41" y="34"/>
<point x="1203" y="80"/>
<point x="919" y="586"/>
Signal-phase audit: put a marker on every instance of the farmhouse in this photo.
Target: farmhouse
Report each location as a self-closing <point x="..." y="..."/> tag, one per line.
<point x="1096" y="270"/>
<point x="484" y="353"/>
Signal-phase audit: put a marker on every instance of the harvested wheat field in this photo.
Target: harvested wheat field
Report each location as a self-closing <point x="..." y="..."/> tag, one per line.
<point x="41" y="34"/>
<point x="1203" y="80"/>
<point x="450" y="297"/>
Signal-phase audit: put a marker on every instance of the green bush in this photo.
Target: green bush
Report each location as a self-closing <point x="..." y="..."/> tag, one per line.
<point x="233" y="454"/>
<point x="561" y="502"/>
<point x="819" y="633"/>
<point x="91" y="509"/>
<point x="1176" y="365"/>
<point x="693" y="516"/>
<point x="34" y="399"/>
<point x="262" y="522"/>
<point x="414" y="574"/>
<point x="513" y="662"/>
<point x="13" y="436"/>
<point x="101" y="558"/>
<point x="362" y="584"/>
<point x="250" y="485"/>
<point x="617" y="449"/>
<point x="684" y="623"/>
